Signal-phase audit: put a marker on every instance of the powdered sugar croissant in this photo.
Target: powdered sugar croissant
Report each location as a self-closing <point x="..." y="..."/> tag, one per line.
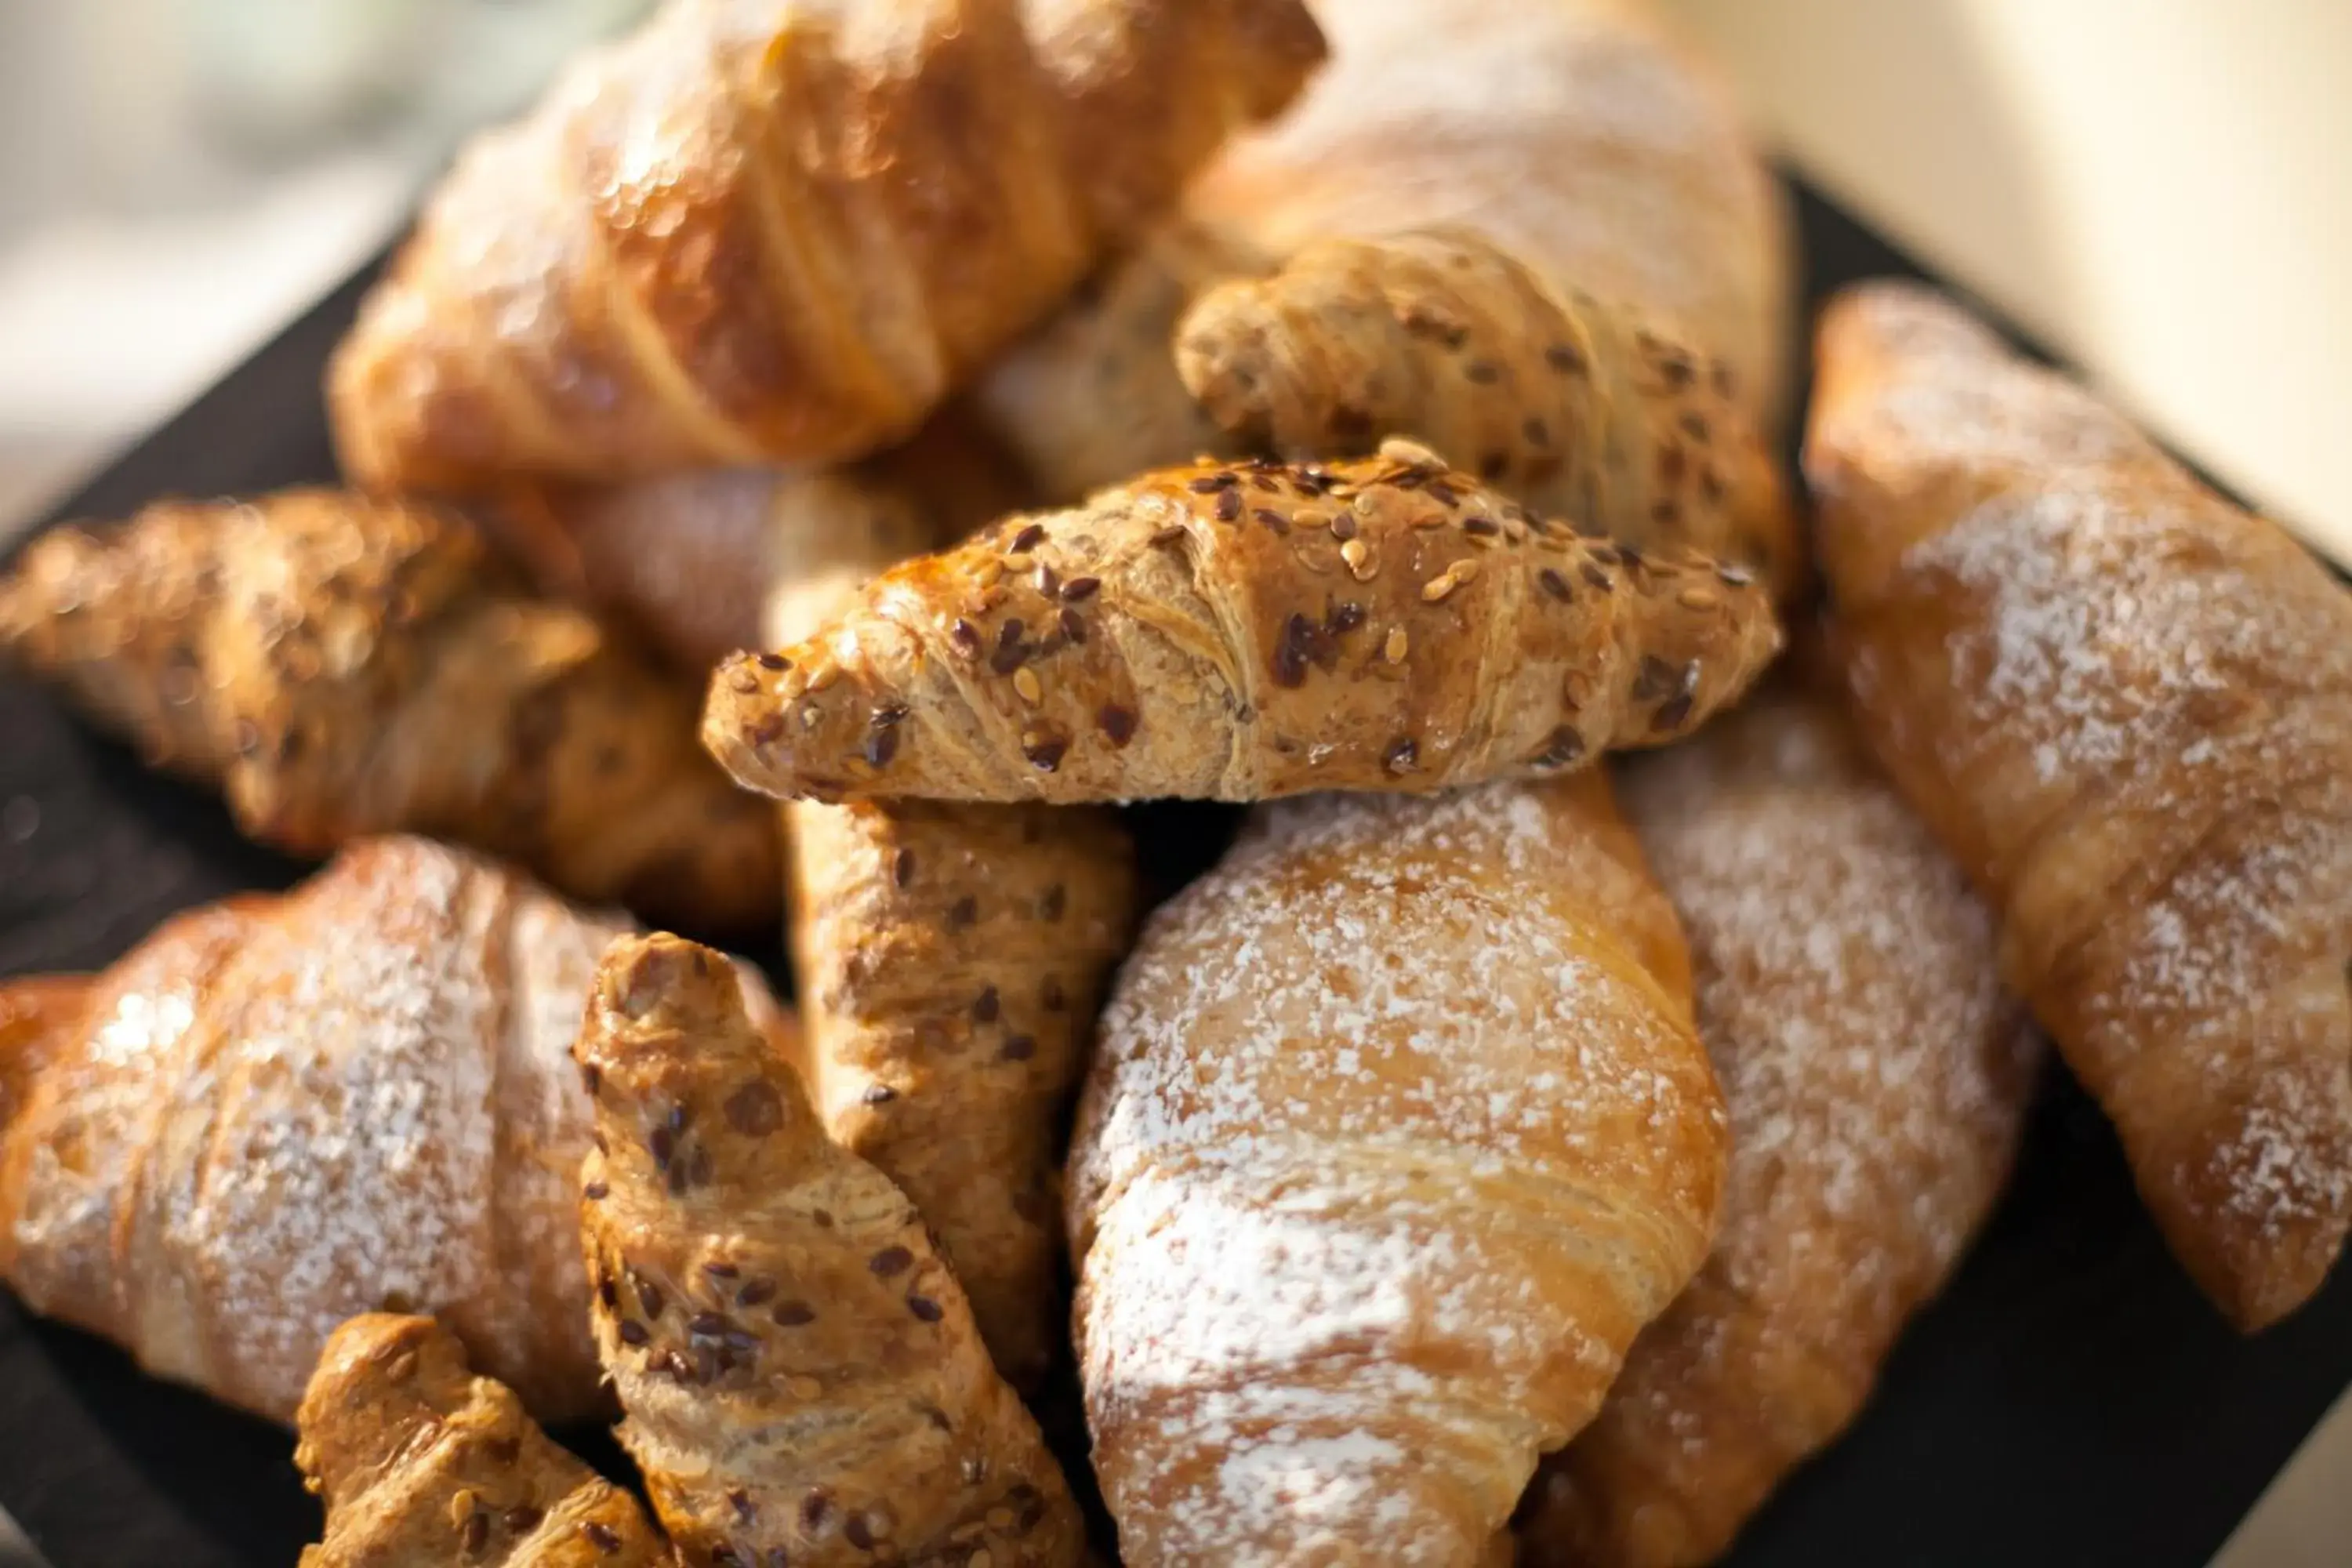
<point x="1243" y="632"/>
<point x="1397" y="1133"/>
<point x="784" y="232"/>
<point x="2125" y="705"/>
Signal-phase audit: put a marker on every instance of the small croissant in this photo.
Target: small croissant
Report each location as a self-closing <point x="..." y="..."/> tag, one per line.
<point x="800" y="1371"/>
<point x="342" y="667"/>
<point x="1578" y="408"/>
<point x="421" y="1464"/>
<point x="1243" y="632"/>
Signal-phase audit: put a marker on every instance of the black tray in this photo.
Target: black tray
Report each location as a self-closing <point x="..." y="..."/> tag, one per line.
<point x="2071" y="1402"/>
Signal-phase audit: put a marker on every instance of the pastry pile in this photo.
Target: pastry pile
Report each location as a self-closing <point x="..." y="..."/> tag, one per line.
<point x="1505" y="1152"/>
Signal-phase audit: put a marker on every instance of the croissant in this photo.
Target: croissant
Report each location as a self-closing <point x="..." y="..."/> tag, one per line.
<point x="342" y="667"/>
<point x="1577" y="409"/>
<point x="280" y="1112"/>
<point x="1877" y="1079"/>
<point x="423" y="1464"/>
<point x="803" y="1379"/>
<point x="784" y="232"/>
<point x="1578" y="136"/>
<point x="1239" y="633"/>
<point x="688" y="559"/>
<point x="2125" y="705"/>
<point x="952" y="960"/>
<point x="1399" y="1131"/>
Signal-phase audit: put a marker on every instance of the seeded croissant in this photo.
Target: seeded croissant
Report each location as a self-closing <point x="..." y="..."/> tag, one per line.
<point x="1398" y="1131"/>
<point x="421" y="1464"/>
<point x="1578" y="409"/>
<point x="283" y="1110"/>
<point x="952" y="958"/>
<point x="1238" y="633"/>
<point x="784" y="232"/>
<point x="803" y="1379"/>
<point x="341" y="667"/>
<point x="2125" y="705"/>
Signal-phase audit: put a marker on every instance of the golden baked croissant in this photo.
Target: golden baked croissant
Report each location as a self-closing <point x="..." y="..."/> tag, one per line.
<point x="1243" y="632"/>
<point x="1575" y="135"/>
<point x="1398" y="1131"/>
<point x="1577" y="409"/>
<point x="688" y="559"/>
<point x="344" y="666"/>
<point x="421" y="1464"/>
<point x="1877" y="1081"/>
<point x="784" y="232"/>
<point x="2125" y="705"/>
<point x="951" y="959"/>
<point x="280" y="1112"/>
<point x="803" y="1379"/>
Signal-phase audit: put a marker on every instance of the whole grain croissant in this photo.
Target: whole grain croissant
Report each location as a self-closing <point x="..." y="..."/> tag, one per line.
<point x="1578" y="136"/>
<point x="1877" y="1079"/>
<point x="1397" y="1133"/>
<point x="2125" y="705"/>
<point x="280" y="1112"/>
<point x="1577" y="409"/>
<point x="802" y="1375"/>
<point x="344" y="666"/>
<point x="783" y="231"/>
<point x="421" y="1464"/>
<point x="951" y="959"/>
<point x="1239" y="633"/>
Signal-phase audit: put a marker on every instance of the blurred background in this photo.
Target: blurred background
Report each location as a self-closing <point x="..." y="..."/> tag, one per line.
<point x="2160" y="188"/>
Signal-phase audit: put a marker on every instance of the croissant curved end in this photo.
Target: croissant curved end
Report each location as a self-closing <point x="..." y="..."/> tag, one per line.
<point x="35" y="1016"/>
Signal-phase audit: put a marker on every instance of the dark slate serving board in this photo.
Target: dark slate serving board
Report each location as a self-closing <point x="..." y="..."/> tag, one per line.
<point x="2071" y="1403"/>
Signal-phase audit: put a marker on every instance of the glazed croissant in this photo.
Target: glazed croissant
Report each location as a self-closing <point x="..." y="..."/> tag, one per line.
<point x="421" y="1464"/>
<point x="1877" y="1079"/>
<point x="344" y="666"/>
<point x="783" y="231"/>
<point x="1577" y="136"/>
<point x="803" y="1379"/>
<point x="1577" y="409"/>
<point x="1239" y="633"/>
<point x="280" y="1112"/>
<point x="951" y="959"/>
<point x="2126" y="707"/>
<point x="689" y="559"/>
<point x="1397" y="1133"/>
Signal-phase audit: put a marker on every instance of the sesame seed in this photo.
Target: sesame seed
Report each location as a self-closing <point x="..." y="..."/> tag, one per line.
<point x="1229" y="506"/>
<point x="1672" y="714"/>
<point x="473" y="1535"/>
<point x="1019" y="1048"/>
<point x="1028" y="538"/>
<point x="1167" y="535"/>
<point x="602" y="1537"/>
<point x="756" y="1292"/>
<point x="1555" y="584"/>
<point x="902" y="867"/>
<point x="1025" y="681"/>
<point x="1734" y="577"/>
<point x="806" y="1388"/>
<point x="595" y="1192"/>
<point x="1295" y="649"/>
<point x="1697" y="599"/>
<point x="1354" y="553"/>
<point x="1565" y="358"/>
<point x="1561" y="747"/>
<point x="1344" y="527"/>
<point x="1044" y="751"/>
<point x="1400" y="755"/>
<point x="1442" y="493"/>
<point x="792" y="1315"/>
<point x="1078" y="588"/>
<point x="1208" y="484"/>
<point x="1273" y="520"/>
<point x="773" y="661"/>
<point x="633" y="1333"/>
<point x="1073" y="625"/>
<point x="985" y="1009"/>
<point x="1397" y="645"/>
<point x="1596" y="576"/>
<point x="881" y="746"/>
<point x="708" y="1324"/>
<point x="1117" y="722"/>
<point x="1438" y="587"/>
<point x="879" y="1094"/>
<point x="891" y="1260"/>
<point x="1345" y="618"/>
<point x="1481" y="527"/>
<point x="1049" y="582"/>
<point x="523" y="1517"/>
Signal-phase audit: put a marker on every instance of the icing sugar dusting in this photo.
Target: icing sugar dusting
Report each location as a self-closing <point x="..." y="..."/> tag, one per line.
<point x="1847" y="988"/>
<point x="1337" y="1067"/>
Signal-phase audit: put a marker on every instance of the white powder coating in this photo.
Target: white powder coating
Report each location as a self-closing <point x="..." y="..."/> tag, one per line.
<point x="1876" y="1073"/>
<point x="1385" y="1156"/>
<point x="368" y="1103"/>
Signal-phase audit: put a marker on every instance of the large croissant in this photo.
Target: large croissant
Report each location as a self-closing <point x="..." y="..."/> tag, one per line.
<point x="2126" y="707"/>
<point x="1239" y="633"/>
<point x="1877" y="1079"/>
<point x="689" y="559"/>
<point x="1577" y="136"/>
<point x="784" y="231"/>
<point x="802" y="1375"/>
<point x="422" y="1465"/>
<point x="280" y="1112"/>
<point x="344" y="666"/>
<point x="1578" y="409"/>
<point x="952" y="960"/>
<point x="1398" y="1131"/>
